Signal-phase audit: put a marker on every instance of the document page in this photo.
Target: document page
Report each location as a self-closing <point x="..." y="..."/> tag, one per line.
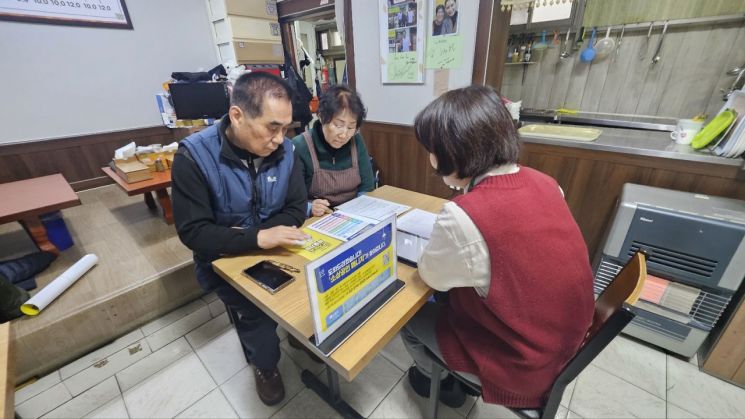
<point x="417" y="222"/>
<point x="377" y="209"/>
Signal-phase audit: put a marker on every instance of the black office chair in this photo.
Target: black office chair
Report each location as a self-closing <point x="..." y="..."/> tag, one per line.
<point x="611" y="316"/>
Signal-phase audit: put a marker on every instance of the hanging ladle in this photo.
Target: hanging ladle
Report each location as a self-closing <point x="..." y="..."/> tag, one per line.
<point x="565" y="54"/>
<point x="657" y="57"/>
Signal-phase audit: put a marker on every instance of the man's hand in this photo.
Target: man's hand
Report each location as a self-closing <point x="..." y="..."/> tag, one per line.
<point x="320" y="207"/>
<point x="280" y="236"/>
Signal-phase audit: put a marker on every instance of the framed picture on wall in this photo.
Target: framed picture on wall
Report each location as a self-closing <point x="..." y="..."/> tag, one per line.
<point x="97" y="13"/>
<point x="402" y="33"/>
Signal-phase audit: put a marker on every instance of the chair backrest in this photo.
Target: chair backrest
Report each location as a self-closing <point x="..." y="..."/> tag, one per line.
<point x="609" y="319"/>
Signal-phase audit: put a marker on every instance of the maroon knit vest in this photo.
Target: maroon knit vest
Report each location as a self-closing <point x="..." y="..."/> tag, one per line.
<point x="540" y="302"/>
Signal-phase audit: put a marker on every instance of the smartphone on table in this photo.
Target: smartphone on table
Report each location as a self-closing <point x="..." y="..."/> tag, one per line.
<point x="268" y="276"/>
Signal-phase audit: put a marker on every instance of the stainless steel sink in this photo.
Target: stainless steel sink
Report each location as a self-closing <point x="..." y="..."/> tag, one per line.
<point x="561" y="132"/>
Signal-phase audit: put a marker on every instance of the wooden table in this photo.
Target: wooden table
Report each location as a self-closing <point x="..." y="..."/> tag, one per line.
<point x="159" y="183"/>
<point x="7" y="390"/>
<point x="25" y="200"/>
<point x="290" y="307"/>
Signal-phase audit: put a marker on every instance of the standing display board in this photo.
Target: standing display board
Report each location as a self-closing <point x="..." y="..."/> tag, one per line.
<point x="351" y="283"/>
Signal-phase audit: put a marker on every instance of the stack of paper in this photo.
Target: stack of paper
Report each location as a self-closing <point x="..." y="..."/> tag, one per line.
<point x="369" y="207"/>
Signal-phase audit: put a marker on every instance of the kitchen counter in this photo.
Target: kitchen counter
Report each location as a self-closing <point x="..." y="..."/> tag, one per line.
<point x="640" y="143"/>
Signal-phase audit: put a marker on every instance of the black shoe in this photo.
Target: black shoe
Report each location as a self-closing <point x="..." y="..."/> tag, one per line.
<point x="269" y="386"/>
<point x="22" y="268"/>
<point x="451" y="392"/>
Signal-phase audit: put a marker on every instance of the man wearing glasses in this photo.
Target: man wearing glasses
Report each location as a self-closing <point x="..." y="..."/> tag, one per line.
<point x="238" y="186"/>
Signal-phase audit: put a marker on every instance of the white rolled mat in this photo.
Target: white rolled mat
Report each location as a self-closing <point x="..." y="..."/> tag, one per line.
<point x="38" y="302"/>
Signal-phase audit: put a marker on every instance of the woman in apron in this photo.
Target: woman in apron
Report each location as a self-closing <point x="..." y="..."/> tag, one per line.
<point x="336" y="166"/>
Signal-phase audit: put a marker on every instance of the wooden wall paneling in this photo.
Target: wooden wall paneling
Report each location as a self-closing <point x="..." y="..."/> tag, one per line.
<point x="512" y="82"/>
<point x="497" y="53"/>
<point x="79" y="159"/>
<point x="727" y="356"/>
<point x="634" y="85"/>
<point x="481" y="44"/>
<point x="685" y="82"/>
<point x="668" y="90"/>
<point x="530" y="90"/>
<point x="577" y="78"/>
<point x="563" y="69"/>
<point x="402" y="161"/>
<point x="592" y="181"/>
<point x="659" y="75"/>
<point x="349" y="45"/>
<point x="620" y="66"/>
<point x="549" y="59"/>
<point x="735" y="58"/>
<point x="596" y="78"/>
<point x="697" y="85"/>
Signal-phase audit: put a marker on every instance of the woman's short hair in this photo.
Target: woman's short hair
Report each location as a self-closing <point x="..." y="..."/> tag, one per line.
<point x="437" y="9"/>
<point x="469" y="131"/>
<point x="338" y="98"/>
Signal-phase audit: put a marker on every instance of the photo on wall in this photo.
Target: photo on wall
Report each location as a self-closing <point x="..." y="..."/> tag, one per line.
<point x="444" y="17"/>
<point x="402" y="40"/>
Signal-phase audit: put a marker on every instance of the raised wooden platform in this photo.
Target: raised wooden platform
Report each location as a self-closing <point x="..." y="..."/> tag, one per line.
<point x="143" y="272"/>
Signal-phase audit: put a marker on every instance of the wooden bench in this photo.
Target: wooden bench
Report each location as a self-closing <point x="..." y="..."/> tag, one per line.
<point x="159" y="183"/>
<point x="25" y="200"/>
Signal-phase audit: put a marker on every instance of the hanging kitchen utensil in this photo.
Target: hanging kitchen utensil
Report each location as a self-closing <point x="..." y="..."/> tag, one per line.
<point x="555" y="42"/>
<point x="538" y="46"/>
<point x="605" y="46"/>
<point x="643" y="51"/>
<point x="565" y="54"/>
<point x="620" y="39"/>
<point x="656" y="56"/>
<point x="589" y="53"/>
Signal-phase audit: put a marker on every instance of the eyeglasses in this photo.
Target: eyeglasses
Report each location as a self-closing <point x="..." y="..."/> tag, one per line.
<point x="284" y="266"/>
<point x="341" y="128"/>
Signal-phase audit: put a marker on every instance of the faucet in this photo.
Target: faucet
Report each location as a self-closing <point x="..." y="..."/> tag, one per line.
<point x="737" y="84"/>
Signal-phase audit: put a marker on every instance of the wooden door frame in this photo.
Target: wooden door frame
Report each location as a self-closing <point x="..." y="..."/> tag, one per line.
<point x="289" y="11"/>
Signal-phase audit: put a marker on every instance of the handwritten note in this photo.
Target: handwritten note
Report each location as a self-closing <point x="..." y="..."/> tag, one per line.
<point x="444" y="51"/>
<point x="403" y="67"/>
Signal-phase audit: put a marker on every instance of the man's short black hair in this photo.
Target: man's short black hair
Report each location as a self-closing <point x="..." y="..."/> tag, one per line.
<point x="469" y="131"/>
<point x="338" y="98"/>
<point x="250" y="90"/>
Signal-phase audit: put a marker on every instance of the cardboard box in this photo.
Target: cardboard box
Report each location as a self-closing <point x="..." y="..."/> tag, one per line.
<point x="258" y="52"/>
<point x="131" y="170"/>
<point x="263" y="9"/>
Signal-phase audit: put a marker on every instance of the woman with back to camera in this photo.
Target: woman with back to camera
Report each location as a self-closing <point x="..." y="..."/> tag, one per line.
<point x="336" y="166"/>
<point x="507" y="252"/>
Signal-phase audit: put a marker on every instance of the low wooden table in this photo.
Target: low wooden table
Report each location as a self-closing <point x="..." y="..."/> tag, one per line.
<point x="290" y="307"/>
<point x="159" y="183"/>
<point x="25" y="200"/>
<point x="7" y="390"/>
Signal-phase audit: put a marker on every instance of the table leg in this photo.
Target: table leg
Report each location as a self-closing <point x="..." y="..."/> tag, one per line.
<point x="165" y="203"/>
<point x="330" y="394"/>
<point x="149" y="200"/>
<point x="38" y="233"/>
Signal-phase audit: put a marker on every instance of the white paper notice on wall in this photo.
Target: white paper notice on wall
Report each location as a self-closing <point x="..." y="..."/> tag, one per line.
<point x="442" y="81"/>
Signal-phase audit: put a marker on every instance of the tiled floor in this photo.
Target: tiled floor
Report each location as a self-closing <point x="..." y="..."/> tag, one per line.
<point x="188" y="364"/>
